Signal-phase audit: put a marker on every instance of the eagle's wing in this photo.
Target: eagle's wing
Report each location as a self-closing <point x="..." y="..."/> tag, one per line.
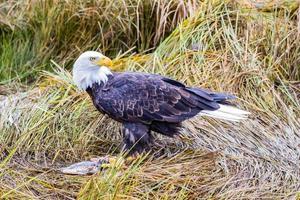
<point x="146" y="98"/>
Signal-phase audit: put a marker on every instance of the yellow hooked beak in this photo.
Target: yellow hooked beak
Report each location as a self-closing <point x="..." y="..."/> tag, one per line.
<point x="105" y="61"/>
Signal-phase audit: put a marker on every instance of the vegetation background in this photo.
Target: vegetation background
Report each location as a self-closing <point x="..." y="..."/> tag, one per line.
<point x="249" y="48"/>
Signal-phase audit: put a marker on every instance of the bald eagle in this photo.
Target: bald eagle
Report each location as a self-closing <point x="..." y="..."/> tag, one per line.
<point x="145" y="102"/>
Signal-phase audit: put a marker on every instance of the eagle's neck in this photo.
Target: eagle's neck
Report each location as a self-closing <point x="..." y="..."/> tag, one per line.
<point x="85" y="77"/>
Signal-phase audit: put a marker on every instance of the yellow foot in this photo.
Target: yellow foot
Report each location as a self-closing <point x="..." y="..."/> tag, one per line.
<point x="133" y="158"/>
<point x="113" y="162"/>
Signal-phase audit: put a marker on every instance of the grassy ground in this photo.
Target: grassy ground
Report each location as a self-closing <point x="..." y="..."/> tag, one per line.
<point x="249" y="49"/>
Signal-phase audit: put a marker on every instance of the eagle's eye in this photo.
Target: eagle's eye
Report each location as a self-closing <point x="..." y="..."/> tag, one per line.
<point x="92" y="59"/>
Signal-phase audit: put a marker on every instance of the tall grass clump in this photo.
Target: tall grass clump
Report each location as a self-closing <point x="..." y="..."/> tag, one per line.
<point x="33" y="32"/>
<point x="245" y="48"/>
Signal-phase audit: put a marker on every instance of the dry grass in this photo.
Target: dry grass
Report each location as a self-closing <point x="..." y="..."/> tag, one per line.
<point x="41" y="30"/>
<point x="249" y="49"/>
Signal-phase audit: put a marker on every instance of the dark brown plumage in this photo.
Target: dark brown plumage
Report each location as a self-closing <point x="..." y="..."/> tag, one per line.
<point x="149" y="102"/>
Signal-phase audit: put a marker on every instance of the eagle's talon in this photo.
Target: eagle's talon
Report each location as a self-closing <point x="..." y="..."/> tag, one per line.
<point x="106" y="165"/>
<point x="117" y="162"/>
<point x="132" y="158"/>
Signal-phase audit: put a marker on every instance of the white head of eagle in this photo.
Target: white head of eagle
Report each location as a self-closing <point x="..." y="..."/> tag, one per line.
<point x="91" y="67"/>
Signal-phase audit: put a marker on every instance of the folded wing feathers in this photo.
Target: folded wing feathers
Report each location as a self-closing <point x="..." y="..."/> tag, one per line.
<point x="226" y="112"/>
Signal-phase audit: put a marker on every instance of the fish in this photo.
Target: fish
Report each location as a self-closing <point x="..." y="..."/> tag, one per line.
<point x="90" y="167"/>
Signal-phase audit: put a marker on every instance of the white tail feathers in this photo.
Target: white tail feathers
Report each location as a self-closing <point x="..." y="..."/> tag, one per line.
<point x="226" y="112"/>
